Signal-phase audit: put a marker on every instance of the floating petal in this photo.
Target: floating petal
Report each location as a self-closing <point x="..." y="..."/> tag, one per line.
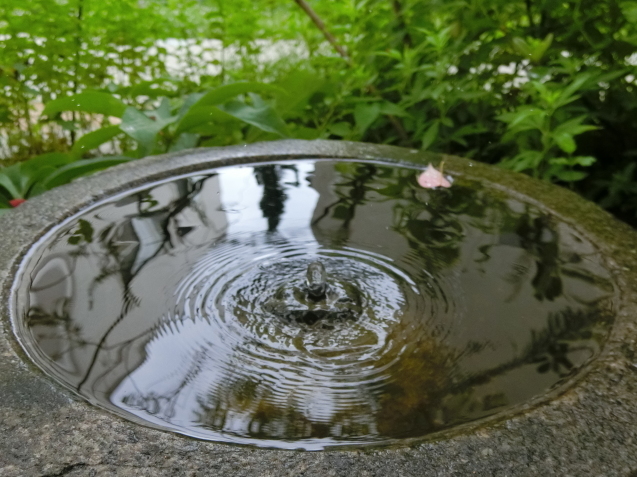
<point x="432" y="178"/>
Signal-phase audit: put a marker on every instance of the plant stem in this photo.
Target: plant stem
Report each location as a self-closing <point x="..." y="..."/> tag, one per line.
<point x="321" y="26"/>
<point x="398" y="11"/>
<point x="78" y="49"/>
<point x="341" y="51"/>
<point x="529" y="14"/>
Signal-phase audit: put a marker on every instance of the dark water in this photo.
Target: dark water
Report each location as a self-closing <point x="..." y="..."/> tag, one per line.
<point x="182" y="304"/>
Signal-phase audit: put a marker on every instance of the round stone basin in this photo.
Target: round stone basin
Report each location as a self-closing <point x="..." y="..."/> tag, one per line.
<point x="181" y="303"/>
<point x="312" y="295"/>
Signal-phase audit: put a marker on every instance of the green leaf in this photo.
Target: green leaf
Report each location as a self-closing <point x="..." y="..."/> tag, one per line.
<point x="568" y="94"/>
<point x="393" y="109"/>
<point x="10" y="180"/>
<point x="55" y="159"/>
<point x="523" y="161"/>
<point x="188" y="103"/>
<point x="341" y="129"/>
<point x="574" y="126"/>
<point x="264" y="117"/>
<point x="184" y="141"/>
<point x="203" y="114"/>
<point x="532" y="48"/>
<point x="540" y="48"/>
<point x="525" y="117"/>
<point x="584" y="160"/>
<point x="143" y="129"/>
<point x="94" y="139"/>
<point x="469" y="129"/>
<point x="365" y="114"/>
<point x="570" y="176"/>
<point x="296" y="89"/>
<point x="447" y="121"/>
<point x="162" y="113"/>
<point x="223" y="93"/>
<point x="565" y="142"/>
<point x="430" y="135"/>
<point x="629" y="9"/>
<point x="36" y="169"/>
<point x="80" y="168"/>
<point x="521" y="46"/>
<point x="301" y="132"/>
<point x="18" y="179"/>
<point x="90" y="102"/>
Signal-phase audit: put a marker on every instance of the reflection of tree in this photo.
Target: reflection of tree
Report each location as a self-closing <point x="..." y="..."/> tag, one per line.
<point x="550" y="347"/>
<point x="272" y="203"/>
<point x="539" y="239"/>
<point x="416" y="387"/>
<point x="427" y="390"/>
<point x="351" y="193"/>
<point x="116" y="261"/>
<point x="119" y="252"/>
<point x="164" y="405"/>
<point x="434" y="222"/>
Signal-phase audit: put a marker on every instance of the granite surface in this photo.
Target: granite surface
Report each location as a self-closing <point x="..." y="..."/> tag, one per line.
<point x="588" y="429"/>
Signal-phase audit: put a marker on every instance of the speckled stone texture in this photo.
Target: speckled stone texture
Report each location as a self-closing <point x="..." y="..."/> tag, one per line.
<point x="588" y="430"/>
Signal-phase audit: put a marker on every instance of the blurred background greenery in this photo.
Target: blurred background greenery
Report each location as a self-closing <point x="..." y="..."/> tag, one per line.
<point x="545" y="87"/>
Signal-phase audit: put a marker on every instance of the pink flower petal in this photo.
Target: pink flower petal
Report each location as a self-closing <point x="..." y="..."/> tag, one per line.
<point x="432" y="178"/>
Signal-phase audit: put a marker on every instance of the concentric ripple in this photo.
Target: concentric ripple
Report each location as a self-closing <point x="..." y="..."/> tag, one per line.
<point x="184" y="304"/>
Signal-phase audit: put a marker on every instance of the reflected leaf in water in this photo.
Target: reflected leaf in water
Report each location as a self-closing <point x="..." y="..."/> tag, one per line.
<point x="84" y="232"/>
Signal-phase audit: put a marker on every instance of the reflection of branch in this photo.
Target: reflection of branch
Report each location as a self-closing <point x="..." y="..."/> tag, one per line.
<point x="567" y="325"/>
<point x="272" y="203"/>
<point x="326" y="211"/>
<point x="141" y="400"/>
<point x="128" y="274"/>
<point x="355" y="196"/>
<point x="98" y="349"/>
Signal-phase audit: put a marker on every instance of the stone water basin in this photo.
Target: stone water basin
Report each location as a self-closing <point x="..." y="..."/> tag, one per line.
<point x="179" y="300"/>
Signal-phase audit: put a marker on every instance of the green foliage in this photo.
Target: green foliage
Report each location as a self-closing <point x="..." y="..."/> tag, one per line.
<point x="41" y="173"/>
<point x="234" y="109"/>
<point x="542" y="87"/>
<point x="89" y="102"/>
<point x="545" y="131"/>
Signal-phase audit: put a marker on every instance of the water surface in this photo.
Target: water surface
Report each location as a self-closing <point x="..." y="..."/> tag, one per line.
<point x="181" y="304"/>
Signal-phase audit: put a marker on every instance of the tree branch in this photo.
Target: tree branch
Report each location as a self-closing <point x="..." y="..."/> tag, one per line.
<point x="398" y="11"/>
<point x="341" y="51"/>
<point x="321" y="26"/>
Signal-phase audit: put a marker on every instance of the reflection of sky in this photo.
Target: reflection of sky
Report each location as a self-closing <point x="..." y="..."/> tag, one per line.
<point x="178" y="346"/>
<point x="241" y="194"/>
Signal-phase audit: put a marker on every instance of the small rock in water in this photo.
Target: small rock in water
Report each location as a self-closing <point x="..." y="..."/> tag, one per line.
<point x="432" y="178"/>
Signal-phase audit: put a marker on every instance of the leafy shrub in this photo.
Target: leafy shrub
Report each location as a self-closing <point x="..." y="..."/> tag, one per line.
<point x="544" y="87"/>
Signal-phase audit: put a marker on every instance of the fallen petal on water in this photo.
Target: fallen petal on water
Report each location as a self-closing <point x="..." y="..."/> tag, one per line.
<point x="432" y="178"/>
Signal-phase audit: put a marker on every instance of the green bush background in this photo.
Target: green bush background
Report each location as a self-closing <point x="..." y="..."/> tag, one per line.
<point x="544" y="87"/>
